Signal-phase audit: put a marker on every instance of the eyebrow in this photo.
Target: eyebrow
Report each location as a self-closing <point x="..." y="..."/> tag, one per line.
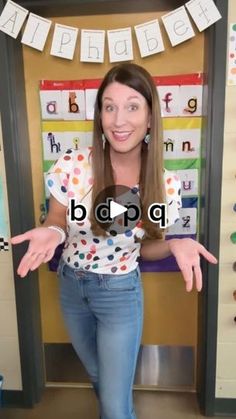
<point x="129" y="98"/>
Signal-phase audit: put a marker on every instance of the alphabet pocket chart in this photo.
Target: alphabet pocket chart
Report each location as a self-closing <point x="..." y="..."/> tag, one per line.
<point x="67" y="109"/>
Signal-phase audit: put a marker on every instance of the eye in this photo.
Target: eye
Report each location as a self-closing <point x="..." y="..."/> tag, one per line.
<point x="133" y="107"/>
<point x="108" y="108"/>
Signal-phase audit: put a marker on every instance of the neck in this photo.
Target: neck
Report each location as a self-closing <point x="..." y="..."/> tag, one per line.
<point x="130" y="159"/>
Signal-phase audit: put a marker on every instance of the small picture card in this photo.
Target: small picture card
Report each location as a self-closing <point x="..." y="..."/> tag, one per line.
<point x="169" y="100"/>
<point x="75" y="140"/>
<point x="190" y="100"/>
<point x="189" y="181"/>
<point x="187" y="223"/>
<point x="53" y="144"/>
<point x="51" y="104"/>
<point x="182" y="144"/>
<point x="73" y="104"/>
<point x="90" y="98"/>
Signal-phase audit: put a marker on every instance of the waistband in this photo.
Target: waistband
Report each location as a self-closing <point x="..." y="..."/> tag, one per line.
<point x="82" y="273"/>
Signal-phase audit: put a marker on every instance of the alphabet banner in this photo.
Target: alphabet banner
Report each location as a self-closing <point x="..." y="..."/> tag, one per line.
<point x="177" y="24"/>
<point x="67" y="109"/>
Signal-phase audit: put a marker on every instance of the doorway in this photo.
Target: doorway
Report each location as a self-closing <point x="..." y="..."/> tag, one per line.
<point x="21" y="149"/>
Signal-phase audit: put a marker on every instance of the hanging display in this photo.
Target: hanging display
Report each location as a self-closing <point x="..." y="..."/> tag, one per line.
<point x="176" y="23"/>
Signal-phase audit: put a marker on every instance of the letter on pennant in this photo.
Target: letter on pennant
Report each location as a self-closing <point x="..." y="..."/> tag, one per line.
<point x="120" y="45"/>
<point x="178" y="26"/>
<point x="12" y="19"/>
<point x="203" y="12"/>
<point x="36" y="32"/>
<point x="92" y="46"/>
<point x="64" y="40"/>
<point x="149" y="38"/>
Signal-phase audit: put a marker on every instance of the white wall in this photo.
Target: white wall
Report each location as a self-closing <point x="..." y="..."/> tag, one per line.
<point x="226" y="340"/>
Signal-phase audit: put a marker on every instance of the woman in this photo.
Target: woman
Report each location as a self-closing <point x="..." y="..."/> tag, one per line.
<point x="100" y="288"/>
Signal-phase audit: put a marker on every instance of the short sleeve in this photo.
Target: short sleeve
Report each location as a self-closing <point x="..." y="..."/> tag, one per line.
<point x="57" y="178"/>
<point x="173" y="196"/>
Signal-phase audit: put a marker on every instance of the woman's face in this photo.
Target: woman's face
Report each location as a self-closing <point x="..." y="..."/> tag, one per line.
<point x="125" y="117"/>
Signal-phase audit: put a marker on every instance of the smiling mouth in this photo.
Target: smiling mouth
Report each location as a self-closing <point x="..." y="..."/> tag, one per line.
<point x="121" y="135"/>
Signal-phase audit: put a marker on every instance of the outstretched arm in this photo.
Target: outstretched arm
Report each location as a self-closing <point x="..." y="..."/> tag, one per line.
<point x="42" y="240"/>
<point x="187" y="253"/>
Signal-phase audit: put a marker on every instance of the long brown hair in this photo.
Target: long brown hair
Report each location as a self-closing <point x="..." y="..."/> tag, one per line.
<point x="151" y="185"/>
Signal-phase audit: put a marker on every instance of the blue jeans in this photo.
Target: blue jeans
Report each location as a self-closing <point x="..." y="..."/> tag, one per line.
<point x="104" y="316"/>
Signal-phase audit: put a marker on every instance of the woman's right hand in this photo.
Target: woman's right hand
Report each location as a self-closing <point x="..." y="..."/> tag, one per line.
<point x="42" y="244"/>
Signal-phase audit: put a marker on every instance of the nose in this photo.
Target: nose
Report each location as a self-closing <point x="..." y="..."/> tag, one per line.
<point x="120" y="117"/>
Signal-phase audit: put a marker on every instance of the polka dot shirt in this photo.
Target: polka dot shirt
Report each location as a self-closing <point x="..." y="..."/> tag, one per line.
<point x="71" y="177"/>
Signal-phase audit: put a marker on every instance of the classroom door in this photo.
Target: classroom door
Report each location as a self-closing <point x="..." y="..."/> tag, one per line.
<point x="169" y="336"/>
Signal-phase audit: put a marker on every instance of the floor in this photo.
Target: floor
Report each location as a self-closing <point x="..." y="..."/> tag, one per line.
<point x="78" y="403"/>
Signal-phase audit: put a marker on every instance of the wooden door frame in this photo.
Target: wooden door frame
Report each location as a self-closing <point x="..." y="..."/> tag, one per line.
<point x="20" y="191"/>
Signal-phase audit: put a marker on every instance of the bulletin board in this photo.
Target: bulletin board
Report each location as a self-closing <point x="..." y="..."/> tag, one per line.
<point x="67" y="109"/>
<point x="159" y="287"/>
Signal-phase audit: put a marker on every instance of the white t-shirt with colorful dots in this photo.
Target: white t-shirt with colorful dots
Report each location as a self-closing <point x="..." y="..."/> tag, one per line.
<point x="71" y="177"/>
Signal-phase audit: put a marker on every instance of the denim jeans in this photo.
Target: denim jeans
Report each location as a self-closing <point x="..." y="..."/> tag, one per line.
<point x="104" y="315"/>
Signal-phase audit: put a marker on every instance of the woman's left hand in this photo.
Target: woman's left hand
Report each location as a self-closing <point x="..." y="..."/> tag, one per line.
<point x="187" y="254"/>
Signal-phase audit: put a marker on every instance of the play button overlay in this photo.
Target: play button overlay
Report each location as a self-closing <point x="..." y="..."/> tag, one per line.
<point x="117" y="209"/>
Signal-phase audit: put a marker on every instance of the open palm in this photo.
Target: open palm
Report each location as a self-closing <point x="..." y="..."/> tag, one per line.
<point x="187" y="253"/>
<point x="42" y="244"/>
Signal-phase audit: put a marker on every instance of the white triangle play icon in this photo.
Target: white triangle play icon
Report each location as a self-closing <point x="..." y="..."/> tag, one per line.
<point x="116" y="209"/>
